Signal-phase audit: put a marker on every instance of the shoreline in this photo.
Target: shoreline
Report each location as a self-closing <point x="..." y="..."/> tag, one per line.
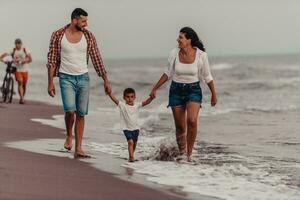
<point x="27" y="175"/>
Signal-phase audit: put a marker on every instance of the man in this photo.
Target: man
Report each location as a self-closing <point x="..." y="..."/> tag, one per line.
<point x="21" y="57"/>
<point x="69" y="51"/>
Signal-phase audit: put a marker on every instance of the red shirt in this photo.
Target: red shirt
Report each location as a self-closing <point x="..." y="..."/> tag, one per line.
<point x="92" y="51"/>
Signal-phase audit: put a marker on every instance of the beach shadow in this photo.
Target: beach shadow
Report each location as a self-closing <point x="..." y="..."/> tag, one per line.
<point x="59" y="151"/>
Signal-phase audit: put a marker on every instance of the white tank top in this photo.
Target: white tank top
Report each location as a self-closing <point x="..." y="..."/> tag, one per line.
<point x="19" y="56"/>
<point x="186" y="73"/>
<point x="73" y="56"/>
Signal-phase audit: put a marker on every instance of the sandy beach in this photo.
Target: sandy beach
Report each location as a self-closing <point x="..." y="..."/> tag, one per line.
<point x="26" y="175"/>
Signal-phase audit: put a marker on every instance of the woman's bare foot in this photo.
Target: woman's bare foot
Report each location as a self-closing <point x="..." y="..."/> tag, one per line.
<point x="68" y="143"/>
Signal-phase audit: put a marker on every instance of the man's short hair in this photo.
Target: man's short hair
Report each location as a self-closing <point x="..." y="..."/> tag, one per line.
<point x="77" y="12"/>
<point x="128" y="91"/>
<point x="18" y="41"/>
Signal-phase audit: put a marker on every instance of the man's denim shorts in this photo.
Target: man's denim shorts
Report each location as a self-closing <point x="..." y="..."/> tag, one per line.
<point x="75" y="92"/>
<point x="181" y="93"/>
<point x="131" y="135"/>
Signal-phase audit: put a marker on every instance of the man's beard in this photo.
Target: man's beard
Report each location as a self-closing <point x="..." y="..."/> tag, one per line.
<point x="78" y="27"/>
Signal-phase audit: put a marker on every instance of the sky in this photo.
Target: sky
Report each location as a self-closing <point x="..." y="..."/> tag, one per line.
<point x="149" y="29"/>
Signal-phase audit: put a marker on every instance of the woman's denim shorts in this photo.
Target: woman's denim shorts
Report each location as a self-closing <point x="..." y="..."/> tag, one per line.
<point x="181" y="93"/>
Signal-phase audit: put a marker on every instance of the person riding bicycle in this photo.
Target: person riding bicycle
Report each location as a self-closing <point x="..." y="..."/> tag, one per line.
<point x="21" y="57"/>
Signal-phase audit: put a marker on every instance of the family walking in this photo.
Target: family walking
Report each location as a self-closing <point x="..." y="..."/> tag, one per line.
<point x="69" y="52"/>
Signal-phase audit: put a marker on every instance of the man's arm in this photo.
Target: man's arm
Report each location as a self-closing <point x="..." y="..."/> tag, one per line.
<point x="98" y="62"/>
<point x="107" y="87"/>
<point x="51" y="65"/>
<point x="95" y="55"/>
<point x="51" y="88"/>
<point x="147" y="101"/>
<point x="113" y="98"/>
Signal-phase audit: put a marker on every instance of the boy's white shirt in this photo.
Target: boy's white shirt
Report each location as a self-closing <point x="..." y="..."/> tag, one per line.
<point x="129" y="115"/>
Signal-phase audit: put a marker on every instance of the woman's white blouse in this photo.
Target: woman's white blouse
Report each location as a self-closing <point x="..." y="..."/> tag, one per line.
<point x="188" y="73"/>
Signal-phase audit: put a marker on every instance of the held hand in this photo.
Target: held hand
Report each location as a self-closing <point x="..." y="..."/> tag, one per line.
<point x="153" y="94"/>
<point x="151" y="98"/>
<point x="51" y="89"/>
<point x="107" y="87"/>
<point x="213" y="100"/>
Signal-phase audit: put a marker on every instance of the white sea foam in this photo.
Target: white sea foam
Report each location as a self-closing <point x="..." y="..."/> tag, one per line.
<point x="145" y="146"/>
<point x="232" y="181"/>
<point x="208" y="110"/>
<point x="57" y="121"/>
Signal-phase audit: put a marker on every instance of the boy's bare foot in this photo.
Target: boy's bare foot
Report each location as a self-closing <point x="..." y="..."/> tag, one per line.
<point x="68" y="143"/>
<point x="181" y="157"/>
<point x="81" y="154"/>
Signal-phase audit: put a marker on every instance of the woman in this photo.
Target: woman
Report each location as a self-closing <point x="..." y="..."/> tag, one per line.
<point x="188" y="64"/>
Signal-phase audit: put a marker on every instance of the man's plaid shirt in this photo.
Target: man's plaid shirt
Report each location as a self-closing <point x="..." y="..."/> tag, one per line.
<point x="92" y="51"/>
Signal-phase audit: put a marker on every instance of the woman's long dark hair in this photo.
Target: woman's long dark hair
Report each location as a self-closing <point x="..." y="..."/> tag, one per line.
<point x="191" y="34"/>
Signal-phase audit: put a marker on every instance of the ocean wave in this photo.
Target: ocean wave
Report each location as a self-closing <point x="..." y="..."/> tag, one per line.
<point x="266" y="109"/>
<point x="231" y="182"/>
<point x="222" y="66"/>
<point x="215" y="170"/>
<point x="146" y="146"/>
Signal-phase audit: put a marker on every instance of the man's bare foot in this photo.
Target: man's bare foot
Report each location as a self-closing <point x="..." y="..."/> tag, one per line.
<point x="131" y="159"/>
<point x="22" y="101"/>
<point x="68" y="143"/>
<point x="81" y="154"/>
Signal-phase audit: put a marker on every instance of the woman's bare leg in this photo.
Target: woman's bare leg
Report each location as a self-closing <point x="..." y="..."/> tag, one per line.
<point x="192" y="117"/>
<point x="179" y="115"/>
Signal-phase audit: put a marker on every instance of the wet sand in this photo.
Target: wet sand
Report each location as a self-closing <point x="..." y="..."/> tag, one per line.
<point x="26" y="175"/>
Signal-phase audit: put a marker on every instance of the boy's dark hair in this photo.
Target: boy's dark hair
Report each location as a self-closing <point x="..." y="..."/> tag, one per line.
<point x="128" y="91"/>
<point x="77" y="12"/>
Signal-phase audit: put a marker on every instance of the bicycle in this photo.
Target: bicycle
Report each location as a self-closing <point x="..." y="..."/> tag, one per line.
<point x="7" y="88"/>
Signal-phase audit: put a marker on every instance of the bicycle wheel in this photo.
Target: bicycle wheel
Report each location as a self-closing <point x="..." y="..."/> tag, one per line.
<point x="10" y="89"/>
<point x="4" y="89"/>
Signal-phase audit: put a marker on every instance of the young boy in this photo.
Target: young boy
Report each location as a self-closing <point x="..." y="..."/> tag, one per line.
<point x="129" y="118"/>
